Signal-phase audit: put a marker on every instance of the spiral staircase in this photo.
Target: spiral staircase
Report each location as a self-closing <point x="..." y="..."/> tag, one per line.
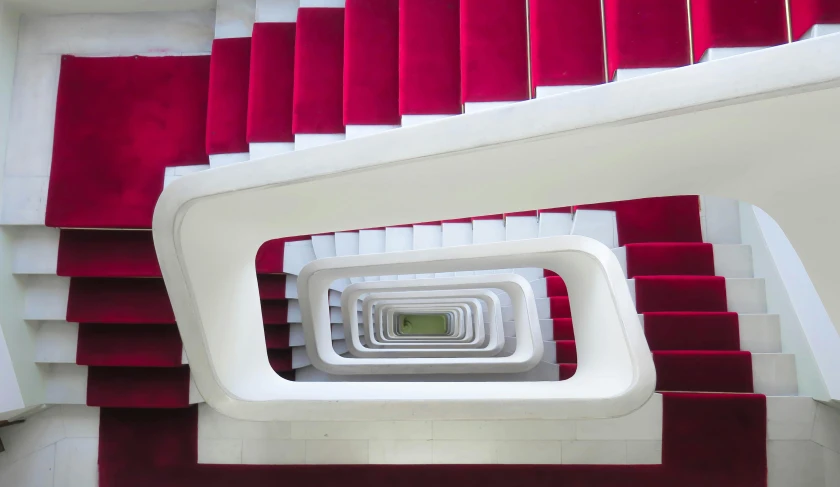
<point x="111" y="109"/>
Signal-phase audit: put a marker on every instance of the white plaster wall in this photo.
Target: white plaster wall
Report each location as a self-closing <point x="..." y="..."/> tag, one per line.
<point x="806" y="330"/>
<point x="804" y="449"/>
<point x="20" y="379"/>
<point x="55" y="448"/>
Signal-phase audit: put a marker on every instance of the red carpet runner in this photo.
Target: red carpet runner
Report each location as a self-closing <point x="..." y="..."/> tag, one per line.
<point x="227" y="105"/>
<point x="119" y="123"/>
<point x="707" y="439"/>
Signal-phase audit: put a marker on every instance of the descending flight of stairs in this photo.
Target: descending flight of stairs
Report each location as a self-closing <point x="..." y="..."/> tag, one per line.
<point x="105" y="331"/>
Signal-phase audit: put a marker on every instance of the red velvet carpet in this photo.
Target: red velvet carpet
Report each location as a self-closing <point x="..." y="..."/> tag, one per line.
<point x="136" y="301"/>
<point x="657" y="259"/>
<point x="494" y="51"/>
<point x="566" y="43"/>
<point x="430" y="80"/>
<point x="276" y="336"/>
<point x="272" y="286"/>
<point x="563" y="329"/>
<point x="371" y="62"/>
<point x="280" y="359"/>
<point x="138" y="387"/>
<point x="805" y="13"/>
<point x="119" y="123"/>
<point x="646" y="34"/>
<point x="114" y="345"/>
<point x="271" y="82"/>
<point x="692" y="331"/>
<point x="319" y="61"/>
<point x="227" y="104"/>
<point x="737" y="23"/>
<point x="703" y="371"/>
<point x="560" y="307"/>
<point x="668" y="219"/>
<point x="107" y="253"/>
<point x="680" y="293"/>
<point x="555" y="286"/>
<point x="566" y="352"/>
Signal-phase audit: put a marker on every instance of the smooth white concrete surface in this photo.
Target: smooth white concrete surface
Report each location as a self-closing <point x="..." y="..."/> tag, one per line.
<point x="221" y="160"/>
<point x="806" y="327"/>
<point x="308" y="141"/>
<point x="596" y="224"/>
<point x="276" y="10"/>
<point x="637" y="437"/>
<point x="473" y="107"/>
<point x="356" y="131"/>
<point x="627" y="74"/>
<point x="234" y="18"/>
<point x="411" y="120"/>
<point x="543" y="91"/>
<point x="258" y="150"/>
<point x="717" y="53"/>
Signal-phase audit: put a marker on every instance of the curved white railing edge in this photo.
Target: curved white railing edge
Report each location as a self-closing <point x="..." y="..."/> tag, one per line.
<point x="806" y="328"/>
<point x="719" y="128"/>
<point x="316" y="276"/>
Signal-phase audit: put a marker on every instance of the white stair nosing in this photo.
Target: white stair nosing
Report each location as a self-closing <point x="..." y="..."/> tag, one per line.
<point x="258" y="150"/>
<point x="308" y="141"/>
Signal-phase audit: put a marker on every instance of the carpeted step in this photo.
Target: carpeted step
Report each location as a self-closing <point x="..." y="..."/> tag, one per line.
<point x="280" y="359"/>
<point x="429" y="57"/>
<point x="567" y="371"/>
<point x="680" y="293"/>
<point x="115" y="345"/>
<point x="559" y="306"/>
<point x="138" y="387"/>
<point x="272" y="286"/>
<point x="138" y="301"/>
<point x="271" y="82"/>
<point x="646" y="34"/>
<point x="715" y="439"/>
<point x="269" y="258"/>
<point x="227" y="102"/>
<point x="275" y="312"/>
<point x="567" y="43"/>
<point x="555" y="286"/>
<point x="563" y="329"/>
<point x="319" y="60"/>
<point x="670" y="259"/>
<point x="494" y="51"/>
<point x="703" y="371"/>
<point x="566" y="351"/>
<point x="804" y="14"/>
<point x="371" y="62"/>
<point x="665" y="219"/>
<point x="692" y="331"/>
<point x="141" y="301"/>
<point x="107" y="253"/>
<point x="707" y="439"/>
<point x="119" y="123"/>
<point x="276" y="337"/>
<point x="148" y="439"/>
<point x="737" y="23"/>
